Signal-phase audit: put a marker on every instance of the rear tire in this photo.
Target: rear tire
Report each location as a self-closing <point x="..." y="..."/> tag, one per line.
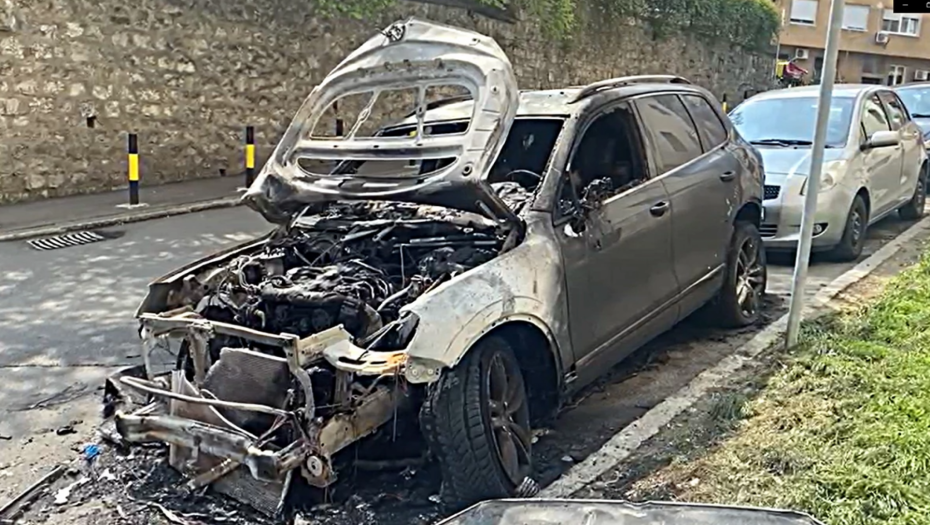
<point x="914" y="209"/>
<point x="740" y="300"/>
<point x="854" y="232"/>
<point x="477" y="422"/>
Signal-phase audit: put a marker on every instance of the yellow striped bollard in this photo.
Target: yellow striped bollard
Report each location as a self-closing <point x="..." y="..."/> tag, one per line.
<point x="133" y="154"/>
<point x="249" y="155"/>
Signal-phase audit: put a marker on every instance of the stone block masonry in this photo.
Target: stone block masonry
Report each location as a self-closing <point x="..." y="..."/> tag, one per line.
<point x="188" y="75"/>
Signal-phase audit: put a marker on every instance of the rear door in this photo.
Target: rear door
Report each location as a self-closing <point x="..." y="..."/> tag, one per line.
<point x="911" y="143"/>
<point x="691" y="158"/>
<point x="881" y="166"/>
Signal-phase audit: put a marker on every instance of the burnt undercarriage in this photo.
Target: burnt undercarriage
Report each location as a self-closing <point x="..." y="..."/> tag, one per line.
<point x="287" y="354"/>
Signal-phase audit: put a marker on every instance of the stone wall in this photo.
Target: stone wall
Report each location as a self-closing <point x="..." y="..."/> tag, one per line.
<point x="187" y="75"/>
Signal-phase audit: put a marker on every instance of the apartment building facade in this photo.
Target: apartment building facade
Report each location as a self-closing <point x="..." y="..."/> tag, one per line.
<point x="877" y="45"/>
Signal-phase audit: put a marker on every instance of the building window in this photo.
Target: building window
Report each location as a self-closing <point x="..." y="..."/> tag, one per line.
<point x="803" y="12"/>
<point x="896" y="75"/>
<point x="899" y="24"/>
<point x="856" y="17"/>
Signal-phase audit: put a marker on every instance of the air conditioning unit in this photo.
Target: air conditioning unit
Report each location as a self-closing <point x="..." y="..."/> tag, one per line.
<point x="881" y="38"/>
<point x="921" y="74"/>
<point x="801" y="53"/>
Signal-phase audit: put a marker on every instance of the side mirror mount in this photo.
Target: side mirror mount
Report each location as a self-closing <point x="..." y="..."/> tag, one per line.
<point x="578" y="222"/>
<point x="881" y="139"/>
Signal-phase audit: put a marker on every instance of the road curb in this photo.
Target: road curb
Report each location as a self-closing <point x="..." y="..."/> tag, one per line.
<point x="622" y="445"/>
<point x="124" y="218"/>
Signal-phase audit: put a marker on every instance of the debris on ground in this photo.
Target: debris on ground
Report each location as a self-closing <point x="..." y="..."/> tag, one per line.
<point x="25" y="497"/>
<point x="136" y="486"/>
<point x="66" y="430"/>
<point x="62" y="496"/>
<point x="90" y="451"/>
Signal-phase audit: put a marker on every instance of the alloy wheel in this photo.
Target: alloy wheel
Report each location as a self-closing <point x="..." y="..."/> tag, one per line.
<point x="509" y="417"/>
<point x="750" y="277"/>
<point x="855" y="225"/>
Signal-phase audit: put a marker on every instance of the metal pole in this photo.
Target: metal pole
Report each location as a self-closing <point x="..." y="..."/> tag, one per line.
<point x="781" y="28"/>
<point x="813" y="179"/>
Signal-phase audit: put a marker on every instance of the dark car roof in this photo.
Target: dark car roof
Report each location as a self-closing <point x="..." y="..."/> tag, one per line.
<point x="558" y="102"/>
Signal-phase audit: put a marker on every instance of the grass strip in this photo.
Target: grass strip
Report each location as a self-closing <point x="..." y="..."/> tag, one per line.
<point x="842" y="429"/>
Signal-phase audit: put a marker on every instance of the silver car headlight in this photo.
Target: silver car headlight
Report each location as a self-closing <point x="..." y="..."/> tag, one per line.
<point x="829" y="175"/>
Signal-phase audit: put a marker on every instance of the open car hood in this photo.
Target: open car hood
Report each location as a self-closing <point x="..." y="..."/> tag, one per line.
<point x="561" y="512"/>
<point x="411" y="54"/>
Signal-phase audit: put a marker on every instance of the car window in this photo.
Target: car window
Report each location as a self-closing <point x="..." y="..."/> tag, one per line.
<point x="669" y="131"/>
<point x="608" y="158"/>
<point x="917" y="100"/>
<point x="894" y="109"/>
<point x="873" y="116"/>
<point x="711" y="129"/>
<point x="768" y="120"/>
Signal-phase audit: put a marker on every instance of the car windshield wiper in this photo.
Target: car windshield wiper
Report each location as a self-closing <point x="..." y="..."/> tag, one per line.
<point x="920" y="115"/>
<point x="781" y="142"/>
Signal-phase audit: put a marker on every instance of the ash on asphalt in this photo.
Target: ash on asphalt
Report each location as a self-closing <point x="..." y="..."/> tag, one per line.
<point x="145" y="490"/>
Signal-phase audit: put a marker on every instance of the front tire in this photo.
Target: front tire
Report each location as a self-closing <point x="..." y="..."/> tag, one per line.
<point x="914" y="209"/>
<point x="477" y="422"/>
<point x="740" y="300"/>
<point x="853" y="240"/>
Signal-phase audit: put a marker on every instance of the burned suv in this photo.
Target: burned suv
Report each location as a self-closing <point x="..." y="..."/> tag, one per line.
<point x="464" y="268"/>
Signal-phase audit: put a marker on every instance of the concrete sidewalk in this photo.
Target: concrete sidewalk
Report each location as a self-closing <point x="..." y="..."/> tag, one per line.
<point x="52" y="216"/>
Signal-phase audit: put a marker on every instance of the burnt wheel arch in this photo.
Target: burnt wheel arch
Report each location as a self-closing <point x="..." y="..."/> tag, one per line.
<point x="539" y="364"/>
<point x="750" y="212"/>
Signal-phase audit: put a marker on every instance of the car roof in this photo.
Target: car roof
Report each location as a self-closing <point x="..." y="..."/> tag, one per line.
<point x="912" y="85"/>
<point x="558" y="103"/>
<point x="839" y="91"/>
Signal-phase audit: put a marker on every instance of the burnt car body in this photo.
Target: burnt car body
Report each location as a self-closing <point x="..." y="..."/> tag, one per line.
<point x="506" y="249"/>
<point x="605" y="512"/>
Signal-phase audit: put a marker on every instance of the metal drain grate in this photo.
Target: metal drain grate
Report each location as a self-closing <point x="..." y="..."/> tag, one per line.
<point x="66" y="240"/>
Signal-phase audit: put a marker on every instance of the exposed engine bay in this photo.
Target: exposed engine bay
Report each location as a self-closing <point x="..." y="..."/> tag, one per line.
<point x="354" y="264"/>
<point x="292" y="351"/>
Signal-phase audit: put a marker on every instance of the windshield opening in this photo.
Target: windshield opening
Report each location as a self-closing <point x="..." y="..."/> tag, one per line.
<point x="790" y="121"/>
<point x="515" y="175"/>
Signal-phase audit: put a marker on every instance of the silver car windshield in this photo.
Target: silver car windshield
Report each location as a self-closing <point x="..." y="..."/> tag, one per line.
<point x="917" y="101"/>
<point x="790" y="121"/>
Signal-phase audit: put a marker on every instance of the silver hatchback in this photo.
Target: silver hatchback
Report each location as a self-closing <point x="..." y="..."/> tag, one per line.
<point x="874" y="163"/>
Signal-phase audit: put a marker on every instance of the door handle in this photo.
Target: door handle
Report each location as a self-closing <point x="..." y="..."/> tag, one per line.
<point x="727" y="176"/>
<point x="659" y="209"/>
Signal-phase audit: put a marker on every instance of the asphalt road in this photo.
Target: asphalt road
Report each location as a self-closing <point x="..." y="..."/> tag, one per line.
<point x="66" y="316"/>
<point x="66" y="321"/>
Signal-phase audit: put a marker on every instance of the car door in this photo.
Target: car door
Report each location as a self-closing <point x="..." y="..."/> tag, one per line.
<point x="881" y="166"/>
<point x="702" y="186"/>
<point x="911" y="144"/>
<point x="617" y="252"/>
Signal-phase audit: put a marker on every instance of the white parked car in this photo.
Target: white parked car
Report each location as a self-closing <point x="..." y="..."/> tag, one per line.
<point x="874" y="164"/>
